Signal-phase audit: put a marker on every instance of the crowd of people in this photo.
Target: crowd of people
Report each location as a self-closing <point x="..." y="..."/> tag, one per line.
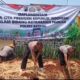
<point x="35" y="48"/>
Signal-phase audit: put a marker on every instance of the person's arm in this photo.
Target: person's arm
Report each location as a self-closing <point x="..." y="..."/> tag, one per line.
<point x="37" y="55"/>
<point x="66" y="60"/>
<point x="65" y="51"/>
<point x="39" y="52"/>
<point x="40" y="49"/>
<point x="33" y="54"/>
<point x="67" y="64"/>
<point x="37" y="48"/>
<point x="34" y="58"/>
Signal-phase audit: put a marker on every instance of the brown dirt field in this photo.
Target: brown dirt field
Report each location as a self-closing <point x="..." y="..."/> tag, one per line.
<point x="11" y="70"/>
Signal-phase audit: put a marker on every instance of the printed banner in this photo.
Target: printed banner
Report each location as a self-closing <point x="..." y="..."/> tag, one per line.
<point x="36" y="21"/>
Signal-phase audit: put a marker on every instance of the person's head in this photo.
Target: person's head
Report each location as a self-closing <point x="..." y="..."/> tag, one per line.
<point x="71" y="50"/>
<point x="39" y="45"/>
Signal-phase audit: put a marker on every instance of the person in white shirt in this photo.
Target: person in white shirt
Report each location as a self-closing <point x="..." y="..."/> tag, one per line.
<point x="36" y="49"/>
<point x="65" y="51"/>
<point x="7" y="53"/>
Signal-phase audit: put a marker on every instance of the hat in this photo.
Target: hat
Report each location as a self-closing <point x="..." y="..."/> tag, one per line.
<point x="11" y="45"/>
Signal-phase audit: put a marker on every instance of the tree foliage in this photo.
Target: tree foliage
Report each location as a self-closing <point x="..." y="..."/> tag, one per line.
<point x="74" y="38"/>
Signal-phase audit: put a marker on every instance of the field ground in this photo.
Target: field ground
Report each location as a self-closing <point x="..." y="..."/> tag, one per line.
<point x="11" y="70"/>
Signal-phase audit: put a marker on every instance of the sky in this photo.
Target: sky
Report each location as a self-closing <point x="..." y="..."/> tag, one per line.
<point x="55" y="2"/>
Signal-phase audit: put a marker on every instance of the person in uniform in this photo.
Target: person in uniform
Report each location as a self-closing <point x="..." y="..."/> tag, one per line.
<point x="65" y="52"/>
<point x="36" y="50"/>
<point x="7" y="53"/>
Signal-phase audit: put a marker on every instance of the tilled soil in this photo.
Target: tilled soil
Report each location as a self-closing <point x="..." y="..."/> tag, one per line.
<point x="52" y="70"/>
